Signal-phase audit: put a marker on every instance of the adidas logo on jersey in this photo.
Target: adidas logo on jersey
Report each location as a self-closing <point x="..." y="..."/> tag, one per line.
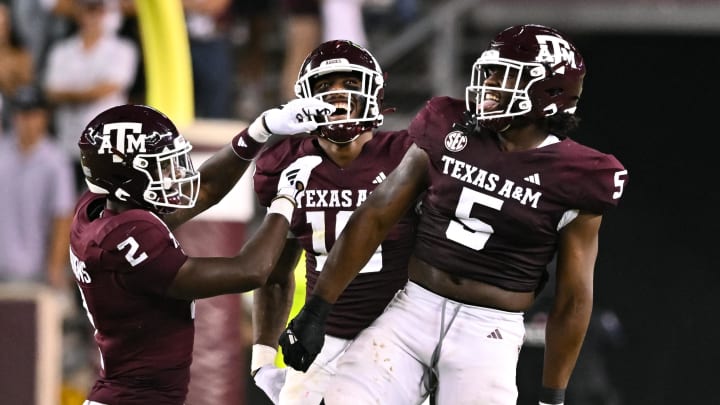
<point x="241" y="142"/>
<point x="495" y="335"/>
<point x="533" y="178"/>
<point x="379" y="178"/>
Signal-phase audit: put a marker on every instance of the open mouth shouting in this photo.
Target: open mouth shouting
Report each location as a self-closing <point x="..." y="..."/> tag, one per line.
<point x="344" y="107"/>
<point x="490" y="102"/>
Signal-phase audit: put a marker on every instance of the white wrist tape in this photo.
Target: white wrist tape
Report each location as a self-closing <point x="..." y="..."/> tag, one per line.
<point x="283" y="206"/>
<point x="258" y="131"/>
<point x="262" y="356"/>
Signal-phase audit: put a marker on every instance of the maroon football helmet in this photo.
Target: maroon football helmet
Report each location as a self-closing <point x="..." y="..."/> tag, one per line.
<point x="543" y="76"/>
<point x="345" y="56"/>
<point x="135" y="153"/>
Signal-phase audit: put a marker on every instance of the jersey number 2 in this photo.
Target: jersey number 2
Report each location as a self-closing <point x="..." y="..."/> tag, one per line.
<point x="132" y="255"/>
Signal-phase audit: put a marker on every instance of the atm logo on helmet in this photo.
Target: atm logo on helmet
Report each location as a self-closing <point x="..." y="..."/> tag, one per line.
<point x="555" y="50"/>
<point x="128" y="139"/>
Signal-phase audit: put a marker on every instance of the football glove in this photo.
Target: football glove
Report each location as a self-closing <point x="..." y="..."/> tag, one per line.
<point x="297" y="116"/>
<point x="291" y="185"/>
<point x="294" y="178"/>
<point x="304" y="337"/>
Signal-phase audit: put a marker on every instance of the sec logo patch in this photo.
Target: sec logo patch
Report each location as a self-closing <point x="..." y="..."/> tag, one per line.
<point x="455" y="141"/>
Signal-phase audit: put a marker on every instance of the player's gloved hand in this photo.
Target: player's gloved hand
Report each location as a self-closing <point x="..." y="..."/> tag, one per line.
<point x="268" y="378"/>
<point x="297" y="116"/>
<point x="551" y="396"/>
<point x="294" y="178"/>
<point x="305" y="335"/>
<point x="292" y="183"/>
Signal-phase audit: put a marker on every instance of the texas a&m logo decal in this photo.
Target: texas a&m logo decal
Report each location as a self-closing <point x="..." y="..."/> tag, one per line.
<point x="555" y="50"/>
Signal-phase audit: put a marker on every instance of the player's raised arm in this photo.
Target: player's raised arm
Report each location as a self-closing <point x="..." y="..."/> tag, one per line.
<point x="201" y="277"/>
<point x="224" y="169"/>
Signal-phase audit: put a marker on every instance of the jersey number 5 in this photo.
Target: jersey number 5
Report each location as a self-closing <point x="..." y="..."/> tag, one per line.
<point x="467" y="231"/>
<point x="619" y="183"/>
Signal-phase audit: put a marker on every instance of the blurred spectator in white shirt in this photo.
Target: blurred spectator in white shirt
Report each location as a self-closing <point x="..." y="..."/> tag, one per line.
<point x="86" y="74"/>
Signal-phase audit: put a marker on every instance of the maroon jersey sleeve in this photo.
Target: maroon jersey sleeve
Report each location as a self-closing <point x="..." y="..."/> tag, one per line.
<point x="437" y="117"/>
<point x="135" y="245"/>
<point x="603" y="183"/>
<point x="147" y="253"/>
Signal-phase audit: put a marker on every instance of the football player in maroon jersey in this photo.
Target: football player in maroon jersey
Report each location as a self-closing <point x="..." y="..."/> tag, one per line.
<point x="355" y="160"/>
<point x="136" y="282"/>
<point x="505" y="191"/>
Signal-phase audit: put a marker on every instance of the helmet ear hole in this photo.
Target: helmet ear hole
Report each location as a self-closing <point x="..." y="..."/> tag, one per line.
<point x="537" y="71"/>
<point x="140" y="163"/>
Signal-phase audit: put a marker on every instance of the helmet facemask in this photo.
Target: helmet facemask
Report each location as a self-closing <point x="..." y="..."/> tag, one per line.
<point x="345" y="126"/>
<point x="172" y="181"/>
<point x="511" y="97"/>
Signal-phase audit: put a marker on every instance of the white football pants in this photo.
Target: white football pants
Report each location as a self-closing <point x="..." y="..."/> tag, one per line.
<point x="389" y="362"/>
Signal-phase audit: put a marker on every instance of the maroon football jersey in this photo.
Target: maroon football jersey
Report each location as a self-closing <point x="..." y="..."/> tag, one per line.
<point x="494" y="216"/>
<point x="123" y="263"/>
<point x="331" y="195"/>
